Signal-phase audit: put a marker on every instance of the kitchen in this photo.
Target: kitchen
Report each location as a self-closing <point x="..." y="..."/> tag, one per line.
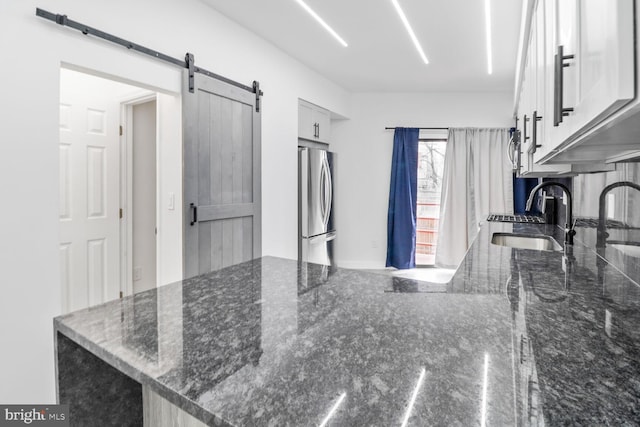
<point x="30" y="168"/>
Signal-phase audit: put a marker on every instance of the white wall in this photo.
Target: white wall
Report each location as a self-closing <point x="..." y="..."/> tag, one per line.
<point x="143" y="209"/>
<point x="29" y="82"/>
<point x="364" y="158"/>
<point x="169" y="181"/>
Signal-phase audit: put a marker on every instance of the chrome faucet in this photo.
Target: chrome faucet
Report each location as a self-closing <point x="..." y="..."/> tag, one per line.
<point x="602" y="228"/>
<point x="568" y="228"/>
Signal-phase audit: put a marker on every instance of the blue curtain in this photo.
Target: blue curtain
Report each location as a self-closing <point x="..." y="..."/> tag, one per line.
<point x="401" y="220"/>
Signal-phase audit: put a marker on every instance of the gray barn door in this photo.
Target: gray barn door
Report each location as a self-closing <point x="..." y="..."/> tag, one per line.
<point x="222" y="217"/>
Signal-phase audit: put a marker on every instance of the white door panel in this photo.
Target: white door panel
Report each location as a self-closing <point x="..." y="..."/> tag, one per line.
<point x="89" y="194"/>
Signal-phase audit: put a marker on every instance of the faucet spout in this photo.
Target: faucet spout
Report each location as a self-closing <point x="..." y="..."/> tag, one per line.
<point x="568" y="229"/>
<point x="602" y="229"/>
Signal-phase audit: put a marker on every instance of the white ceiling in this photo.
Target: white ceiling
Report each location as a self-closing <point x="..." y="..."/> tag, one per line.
<point x="380" y="56"/>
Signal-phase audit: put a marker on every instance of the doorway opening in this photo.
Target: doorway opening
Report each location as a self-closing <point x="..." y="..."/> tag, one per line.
<point x="109" y="174"/>
<point x="431" y="150"/>
<point x="138" y="193"/>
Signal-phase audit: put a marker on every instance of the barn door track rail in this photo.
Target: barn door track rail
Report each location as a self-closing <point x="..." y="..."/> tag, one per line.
<point x="188" y="62"/>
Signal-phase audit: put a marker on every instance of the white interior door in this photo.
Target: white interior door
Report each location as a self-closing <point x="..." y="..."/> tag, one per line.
<point x="89" y="194"/>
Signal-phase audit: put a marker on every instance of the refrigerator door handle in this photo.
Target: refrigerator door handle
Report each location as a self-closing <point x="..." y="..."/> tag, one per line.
<point x="322" y="192"/>
<point x="322" y="238"/>
<point x="329" y="192"/>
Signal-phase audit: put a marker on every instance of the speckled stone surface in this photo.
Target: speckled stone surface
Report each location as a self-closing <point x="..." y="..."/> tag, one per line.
<point x="626" y="261"/>
<point x="518" y="337"/>
<point x="108" y="396"/>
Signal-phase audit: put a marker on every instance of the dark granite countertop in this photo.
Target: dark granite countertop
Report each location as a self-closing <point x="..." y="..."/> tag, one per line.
<point x="518" y="337"/>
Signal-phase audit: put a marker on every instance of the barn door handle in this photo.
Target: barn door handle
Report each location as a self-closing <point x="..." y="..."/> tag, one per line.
<point x="194" y="213"/>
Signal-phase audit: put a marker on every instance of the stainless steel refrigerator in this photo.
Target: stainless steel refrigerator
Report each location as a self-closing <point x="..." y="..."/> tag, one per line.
<point x="316" y="184"/>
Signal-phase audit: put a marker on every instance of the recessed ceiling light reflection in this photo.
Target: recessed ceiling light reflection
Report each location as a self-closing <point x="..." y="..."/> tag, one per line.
<point x="321" y="22"/>
<point x="414" y="395"/>
<point x="483" y="416"/>
<point x="333" y="410"/>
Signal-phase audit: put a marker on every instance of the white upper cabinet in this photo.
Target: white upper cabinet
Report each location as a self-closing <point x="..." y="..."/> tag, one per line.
<point x="594" y="63"/>
<point x="586" y="77"/>
<point x="533" y="112"/>
<point x="606" y="59"/>
<point x="314" y="123"/>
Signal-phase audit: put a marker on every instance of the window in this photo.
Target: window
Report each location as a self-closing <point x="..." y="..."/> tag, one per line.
<point x="431" y="152"/>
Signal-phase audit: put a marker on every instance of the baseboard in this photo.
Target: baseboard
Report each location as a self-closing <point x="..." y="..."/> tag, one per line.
<point x="361" y="265"/>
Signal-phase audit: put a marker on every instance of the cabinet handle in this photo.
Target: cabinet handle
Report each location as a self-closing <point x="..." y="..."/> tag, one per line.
<point x="524" y="129"/>
<point x="315" y="130"/>
<point x="194" y="214"/>
<point x="559" y="111"/>
<point x="535" y="145"/>
<point x="318" y="136"/>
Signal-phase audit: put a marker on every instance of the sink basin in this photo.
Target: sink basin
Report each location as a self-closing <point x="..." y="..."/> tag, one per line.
<point x="536" y="242"/>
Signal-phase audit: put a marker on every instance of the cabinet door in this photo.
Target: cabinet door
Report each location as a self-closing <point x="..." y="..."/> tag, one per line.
<point x="533" y="88"/>
<point x="322" y="120"/>
<point x="306" y="129"/>
<point x="597" y="40"/>
<point x="548" y="10"/>
<point x="527" y="101"/>
<point x="541" y="115"/>
<point x="605" y="59"/>
<point x="536" y="86"/>
<point x="562" y="29"/>
<point x="313" y="122"/>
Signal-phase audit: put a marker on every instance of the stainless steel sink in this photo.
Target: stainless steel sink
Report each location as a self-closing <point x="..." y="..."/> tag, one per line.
<point x="536" y="242"/>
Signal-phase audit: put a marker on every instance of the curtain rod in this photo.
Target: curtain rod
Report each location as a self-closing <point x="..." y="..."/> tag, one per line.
<point x="392" y="128"/>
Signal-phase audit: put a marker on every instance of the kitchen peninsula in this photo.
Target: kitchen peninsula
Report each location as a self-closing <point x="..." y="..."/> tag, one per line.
<point x="518" y="337"/>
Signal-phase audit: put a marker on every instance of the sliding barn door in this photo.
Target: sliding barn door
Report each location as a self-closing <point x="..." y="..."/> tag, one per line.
<point x="221" y="176"/>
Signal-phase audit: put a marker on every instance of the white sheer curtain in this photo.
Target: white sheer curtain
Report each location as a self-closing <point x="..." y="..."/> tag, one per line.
<point x="477" y="181"/>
